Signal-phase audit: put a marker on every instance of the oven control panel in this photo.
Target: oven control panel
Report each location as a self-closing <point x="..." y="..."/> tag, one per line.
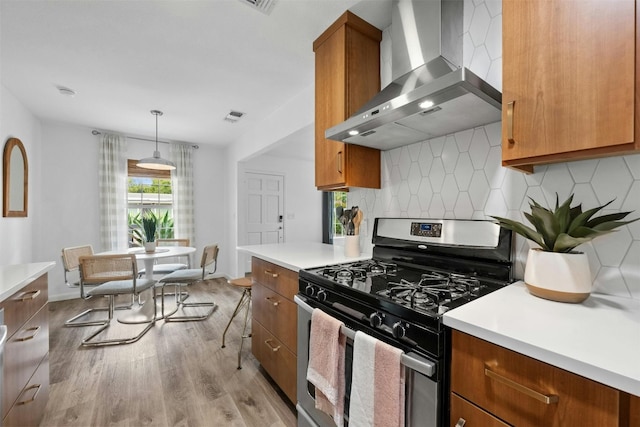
<point x="426" y="229"/>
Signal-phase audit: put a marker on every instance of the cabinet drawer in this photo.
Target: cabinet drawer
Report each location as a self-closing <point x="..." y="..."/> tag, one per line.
<point x="19" y="307"/>
<point x="512" y="386"/>
<point x="22" y="355"/>
<point x="275" y="358"/>
<point x="29" y="409"/>
<point x="277" y="314"/>
<point x="471" y="414"/>
<point x="276" y="278"/>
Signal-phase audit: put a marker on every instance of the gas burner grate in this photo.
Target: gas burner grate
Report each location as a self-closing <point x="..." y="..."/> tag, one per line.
<point x="347" y="274"/>
<point x="432" y="290"/>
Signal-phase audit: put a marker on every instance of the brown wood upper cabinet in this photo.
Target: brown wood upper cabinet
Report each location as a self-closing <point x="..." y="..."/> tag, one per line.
<point x="347" y="75"/>
<point x="569" y="88"/>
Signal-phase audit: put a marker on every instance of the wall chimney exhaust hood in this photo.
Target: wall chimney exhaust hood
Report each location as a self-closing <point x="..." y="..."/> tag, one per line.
<point x="431" y="95"/>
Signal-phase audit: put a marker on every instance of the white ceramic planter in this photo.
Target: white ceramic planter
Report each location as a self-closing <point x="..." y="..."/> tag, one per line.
<point x="352" y="246"/>
<point x="150" y="246"/>
<point x="563" y="277"/>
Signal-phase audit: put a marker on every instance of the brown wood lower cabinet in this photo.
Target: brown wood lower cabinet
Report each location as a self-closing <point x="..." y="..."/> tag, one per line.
<point x="30" y="406"/>
<point x="525" y="392"/>
<point x="275" y="358"/>
<point x="274" y="325"/>
<point x="25" y="388"/>
<point x="634" y="411"/>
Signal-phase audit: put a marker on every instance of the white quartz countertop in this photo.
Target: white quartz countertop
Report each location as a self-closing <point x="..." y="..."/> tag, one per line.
<point x="300" y="255"/>
<point x="15" y="277"/>
<point x="597" y="339"/>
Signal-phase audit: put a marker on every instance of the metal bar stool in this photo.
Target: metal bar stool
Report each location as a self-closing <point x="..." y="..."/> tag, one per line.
<point x="245" y="302"/>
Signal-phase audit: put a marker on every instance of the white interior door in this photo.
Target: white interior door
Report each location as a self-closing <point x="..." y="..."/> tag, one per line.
<point x="265" y="208"/>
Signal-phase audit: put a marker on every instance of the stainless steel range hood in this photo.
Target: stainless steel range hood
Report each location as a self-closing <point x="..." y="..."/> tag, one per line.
<point x="431" y="95"/>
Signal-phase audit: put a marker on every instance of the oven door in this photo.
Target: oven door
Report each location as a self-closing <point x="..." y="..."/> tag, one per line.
<point x="422" y="394"/>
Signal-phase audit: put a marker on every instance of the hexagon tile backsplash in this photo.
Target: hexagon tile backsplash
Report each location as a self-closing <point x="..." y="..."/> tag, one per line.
<point x="460" y="175"/>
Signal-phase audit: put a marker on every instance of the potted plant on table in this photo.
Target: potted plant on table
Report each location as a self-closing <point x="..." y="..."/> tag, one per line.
<point x="149" y="226"/>
<point x="555" y="270"/>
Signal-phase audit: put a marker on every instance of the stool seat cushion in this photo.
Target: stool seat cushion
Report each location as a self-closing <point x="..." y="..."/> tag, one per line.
<point x="243" y="282"/>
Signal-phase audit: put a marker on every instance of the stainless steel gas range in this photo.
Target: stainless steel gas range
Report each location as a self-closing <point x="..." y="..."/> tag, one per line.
<point x="420" y="269"/>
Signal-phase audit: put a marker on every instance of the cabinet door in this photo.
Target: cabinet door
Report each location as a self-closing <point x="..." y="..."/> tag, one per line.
<point x="347" y="67"/>
<point x="277" y="360"/>
<point x="330" y="102"/>
<point x="568" y="79"/>
<point x="277" y="314"/>
<point x="32" y="401"/>
<point x="528" y="393"/>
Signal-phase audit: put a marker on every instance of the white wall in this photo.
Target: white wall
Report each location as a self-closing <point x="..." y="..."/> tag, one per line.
<point x="294" y="115"/>
<point x="460" y="175"/>
<point x="18" y="235"/>
<point x="64" y="208"/>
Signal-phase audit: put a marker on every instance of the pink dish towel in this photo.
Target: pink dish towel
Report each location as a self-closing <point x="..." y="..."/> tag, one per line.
<point x="377" y="386"/>
<point x="326" y="364"/>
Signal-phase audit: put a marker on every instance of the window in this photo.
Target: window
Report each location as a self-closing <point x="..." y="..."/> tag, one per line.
<point x="339" y="201"/>
<point x="332" y="227"/>
<point x="148" y="191"/>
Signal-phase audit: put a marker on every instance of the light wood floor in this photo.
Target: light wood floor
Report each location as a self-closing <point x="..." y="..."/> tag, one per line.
<point x="176" y="375"/>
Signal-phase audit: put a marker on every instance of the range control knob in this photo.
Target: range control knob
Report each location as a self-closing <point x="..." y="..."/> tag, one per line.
<point x="322" y="296"/>
<point x="399" y="330"/>
<point x="375" y="319"/>
<point x="311" y="290"/>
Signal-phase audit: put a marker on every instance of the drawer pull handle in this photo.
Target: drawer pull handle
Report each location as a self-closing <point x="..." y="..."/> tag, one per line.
<point x="510" y="122"/>
<point x="271" y="273"/>
<point x="35" y="330"/>
<point x="29" y="295"/>
<point x="268" y="343"/>
<point x="275" y="303"/>
<point x="339" y="161"/>
<point x="546" y="399"/>
<point x="461" y="422"/>
<point x="35" y="394"/>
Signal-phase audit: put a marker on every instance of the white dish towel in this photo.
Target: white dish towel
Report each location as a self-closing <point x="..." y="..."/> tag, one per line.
<point x="377" y="384"/>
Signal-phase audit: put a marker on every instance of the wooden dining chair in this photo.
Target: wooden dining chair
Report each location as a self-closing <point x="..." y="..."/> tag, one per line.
<point x="161" y="268"/>
<point x="118" y="275"/>
<point x="71" y="263"/>
<point x="183" y="278"/>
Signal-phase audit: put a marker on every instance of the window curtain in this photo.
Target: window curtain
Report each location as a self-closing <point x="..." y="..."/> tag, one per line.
<point x="113" y="193"/>
<point x="182" y="187"/>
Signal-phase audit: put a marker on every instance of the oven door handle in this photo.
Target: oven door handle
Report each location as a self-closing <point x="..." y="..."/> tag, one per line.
<point x="411" y="360"/>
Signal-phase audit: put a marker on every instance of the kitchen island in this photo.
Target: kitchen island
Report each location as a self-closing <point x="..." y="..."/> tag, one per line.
<point x="300" y="255"/>
<point x="508" y="333"/>
<point x="274" y="323"/>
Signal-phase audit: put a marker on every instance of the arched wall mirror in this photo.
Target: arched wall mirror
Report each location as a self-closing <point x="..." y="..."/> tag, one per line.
<point x="15" y="179"/>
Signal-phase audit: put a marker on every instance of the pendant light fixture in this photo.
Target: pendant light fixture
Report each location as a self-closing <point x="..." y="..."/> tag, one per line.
<point x="156" y="162"/>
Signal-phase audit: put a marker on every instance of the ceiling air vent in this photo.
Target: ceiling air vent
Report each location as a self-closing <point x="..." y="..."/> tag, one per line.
<point x="264" y="6"/>
<point x="233" y="116"/>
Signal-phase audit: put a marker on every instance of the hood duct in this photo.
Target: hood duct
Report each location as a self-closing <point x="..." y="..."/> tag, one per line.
<point x="431" y="94"/>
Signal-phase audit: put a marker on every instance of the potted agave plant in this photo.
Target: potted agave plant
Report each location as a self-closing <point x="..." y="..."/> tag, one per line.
<point x="555" y="270"/>
<point x="149" y="226"/>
